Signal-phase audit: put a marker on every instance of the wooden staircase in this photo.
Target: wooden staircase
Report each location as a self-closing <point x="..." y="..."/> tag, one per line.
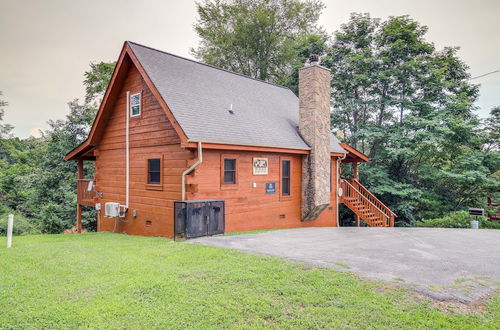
<point x="365" y="205"/>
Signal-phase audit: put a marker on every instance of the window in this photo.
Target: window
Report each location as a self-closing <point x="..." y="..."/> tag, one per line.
<point x="154" y="171"/>
<point x="229" y="171"/>
<point x="135" y="105"/>
<point x="285" y="178"/>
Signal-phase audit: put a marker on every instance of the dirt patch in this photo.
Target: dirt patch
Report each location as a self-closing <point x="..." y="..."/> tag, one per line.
<point x="74" y="230"/>
<point x="478" y="306"/>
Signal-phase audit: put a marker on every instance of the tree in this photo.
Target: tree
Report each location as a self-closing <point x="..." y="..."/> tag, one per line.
<point x="258" y="38"/>
<point x="309" y="44"/>
<point x="492" y="130"/>
<point x="5" y="129"/>
<point x="96" y="81"/>
<point x="35" y="180"/>
<point x="58" y="204"/>
<point x="409" y="107"/>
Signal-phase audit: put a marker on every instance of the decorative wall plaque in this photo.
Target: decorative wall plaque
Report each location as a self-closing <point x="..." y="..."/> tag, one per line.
<point x="260" y="166"/>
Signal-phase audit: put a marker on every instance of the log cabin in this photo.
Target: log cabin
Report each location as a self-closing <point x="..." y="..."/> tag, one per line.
<point x="172" y="129"/>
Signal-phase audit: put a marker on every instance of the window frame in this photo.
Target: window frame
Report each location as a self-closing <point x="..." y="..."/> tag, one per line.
<point x="223" y="184"/>
<point x="153" y="186"/>
<point x="131" y="115"/>
<point x="289" y="160"/>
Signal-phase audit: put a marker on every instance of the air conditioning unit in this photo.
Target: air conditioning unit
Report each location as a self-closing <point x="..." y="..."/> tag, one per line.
<point x="112" y="210"/>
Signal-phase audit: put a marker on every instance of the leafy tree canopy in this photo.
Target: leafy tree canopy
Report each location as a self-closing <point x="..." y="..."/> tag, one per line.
<point x="258" y="38"/>
<point x="5" y="129"/>
<point x="34" y="178"/>
<point x="410" y="108"/>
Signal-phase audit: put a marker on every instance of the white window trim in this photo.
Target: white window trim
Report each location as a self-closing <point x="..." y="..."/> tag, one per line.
<point x="140" y="101"/>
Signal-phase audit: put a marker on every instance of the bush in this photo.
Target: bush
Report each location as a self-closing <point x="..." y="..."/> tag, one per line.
<point x="458" y="219"/>
<point x="22" y="226"/>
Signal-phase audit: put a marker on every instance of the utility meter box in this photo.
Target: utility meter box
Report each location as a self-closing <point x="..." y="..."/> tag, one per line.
<point x="112" y="210"/>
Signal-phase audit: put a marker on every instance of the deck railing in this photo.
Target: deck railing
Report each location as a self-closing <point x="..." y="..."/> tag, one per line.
<point x="86" y="192"/>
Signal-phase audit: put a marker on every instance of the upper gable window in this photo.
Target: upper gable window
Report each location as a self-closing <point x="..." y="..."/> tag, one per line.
<point x="135" y="105"/>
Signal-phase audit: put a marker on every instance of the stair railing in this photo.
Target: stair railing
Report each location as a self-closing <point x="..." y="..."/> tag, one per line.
<point x="365" y="192"/>
<point x="350" y="191"/>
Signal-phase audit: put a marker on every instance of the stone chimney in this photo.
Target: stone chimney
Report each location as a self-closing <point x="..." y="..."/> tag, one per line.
<point x="314" y="127"/>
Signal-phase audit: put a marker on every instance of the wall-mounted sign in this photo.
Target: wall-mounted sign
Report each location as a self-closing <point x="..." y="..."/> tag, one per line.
<point x="260" y="166"/>
<point x="270" y="187"/>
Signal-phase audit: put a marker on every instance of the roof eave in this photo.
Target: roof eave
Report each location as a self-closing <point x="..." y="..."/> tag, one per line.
<point x="192" y="143"/>
<point x="358" y="155"/>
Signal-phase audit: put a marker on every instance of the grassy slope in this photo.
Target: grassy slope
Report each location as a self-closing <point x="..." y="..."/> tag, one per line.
<point x="109" y="281"/>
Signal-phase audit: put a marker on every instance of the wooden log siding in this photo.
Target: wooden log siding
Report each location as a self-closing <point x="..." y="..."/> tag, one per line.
<point x="249" y="208"/>
<point x="151" y="136"/>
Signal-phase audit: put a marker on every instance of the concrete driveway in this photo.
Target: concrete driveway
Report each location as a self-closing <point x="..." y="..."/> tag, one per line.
<point x="446" y="264"/>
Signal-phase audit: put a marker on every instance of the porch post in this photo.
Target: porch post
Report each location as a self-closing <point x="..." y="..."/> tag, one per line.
<point x="78" y="206"/>
<point x="355" y="176"/>
<point x="80" y="169"/>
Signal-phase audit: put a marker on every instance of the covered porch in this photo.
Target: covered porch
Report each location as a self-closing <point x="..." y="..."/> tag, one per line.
<point x="86" y="192"/>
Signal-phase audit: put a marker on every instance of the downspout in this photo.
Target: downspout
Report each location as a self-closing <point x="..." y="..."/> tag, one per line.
<point x="127" y="153"/>
<point x="189" y="170"/>
<point x="339" y="160"/>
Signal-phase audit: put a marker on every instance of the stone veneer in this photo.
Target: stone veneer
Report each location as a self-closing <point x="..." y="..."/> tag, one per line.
<point x="314" y="127"/>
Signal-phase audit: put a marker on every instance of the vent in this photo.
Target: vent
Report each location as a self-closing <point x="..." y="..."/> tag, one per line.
<point x="149" y="223"/>
<point x="282" y="216"/>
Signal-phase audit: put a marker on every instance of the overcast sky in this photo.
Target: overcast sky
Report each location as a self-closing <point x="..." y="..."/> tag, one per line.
<point x="46" y="46"/>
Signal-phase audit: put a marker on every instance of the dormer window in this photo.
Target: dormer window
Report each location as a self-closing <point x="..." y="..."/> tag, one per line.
<point x="135" y="105"/>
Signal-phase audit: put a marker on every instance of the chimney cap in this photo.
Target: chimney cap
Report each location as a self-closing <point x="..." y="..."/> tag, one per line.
<point x="314" y="59"/>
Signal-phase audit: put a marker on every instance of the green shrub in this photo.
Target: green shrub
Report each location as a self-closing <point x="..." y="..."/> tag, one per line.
<point x="491" y="224"/>
<point x="22" y="225"/>
<point x="458" y="219"/>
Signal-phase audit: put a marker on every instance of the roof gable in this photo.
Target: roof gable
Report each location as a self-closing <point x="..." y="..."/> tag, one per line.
<point x="197" y="99"/>
<point x="200" y="97"/>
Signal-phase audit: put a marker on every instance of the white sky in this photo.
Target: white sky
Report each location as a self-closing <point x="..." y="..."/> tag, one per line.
<point x="46" y="46"/>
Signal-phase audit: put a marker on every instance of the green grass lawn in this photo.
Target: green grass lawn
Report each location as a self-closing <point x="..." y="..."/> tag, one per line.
<point x="116" y="281"/>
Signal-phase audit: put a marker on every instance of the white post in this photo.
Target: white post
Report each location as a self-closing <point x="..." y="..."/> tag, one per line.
<point x="10" y="224"/>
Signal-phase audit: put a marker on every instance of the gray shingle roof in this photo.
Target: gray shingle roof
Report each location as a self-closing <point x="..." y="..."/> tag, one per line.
<point x="200" y="97"/>
<point x="335" y="145"/>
